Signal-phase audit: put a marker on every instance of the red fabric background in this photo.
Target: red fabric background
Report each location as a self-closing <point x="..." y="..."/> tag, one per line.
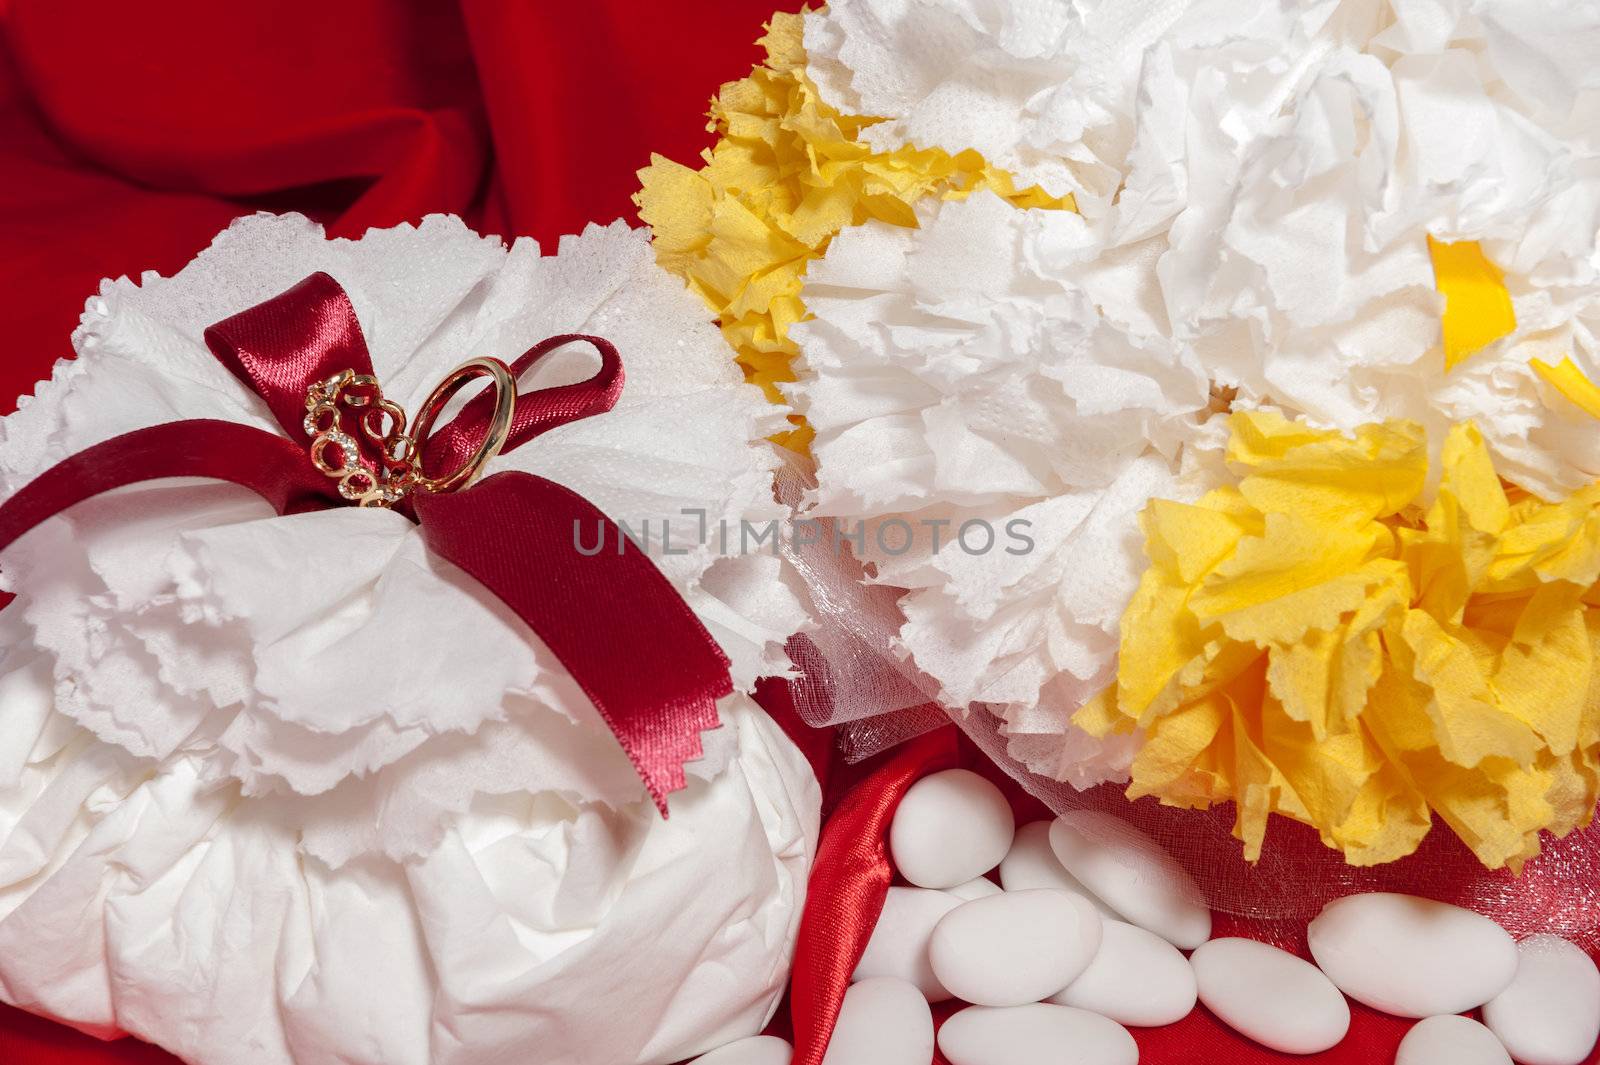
<point x="130" y="133"/>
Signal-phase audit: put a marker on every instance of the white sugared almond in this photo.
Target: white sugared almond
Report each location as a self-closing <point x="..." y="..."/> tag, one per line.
<point x="1037" y="1034"/>
<point x="1550" y="1015"/>
<point x="1409" y="956"/>
<point x="979" y="887"/>
<point x="950" y="827"/>
<point x="1014" y="948"/>
<point x="1133" y="874"/>
<point x="1136" y="978"/>
<point x="1032" y="863"/>
<point x="756" y="1050"/>
<point x="882" y="1021"/>
<point x="1282" y="1002"/>
<point x="899" y="943"/>
<point x="1450" y="1040"/>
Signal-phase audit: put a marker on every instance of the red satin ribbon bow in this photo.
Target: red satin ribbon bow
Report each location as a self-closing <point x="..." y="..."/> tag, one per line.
<point x="616" y="624"/>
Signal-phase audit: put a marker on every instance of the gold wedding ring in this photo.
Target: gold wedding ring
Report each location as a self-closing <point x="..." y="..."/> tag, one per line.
<point x="505" y="400"/>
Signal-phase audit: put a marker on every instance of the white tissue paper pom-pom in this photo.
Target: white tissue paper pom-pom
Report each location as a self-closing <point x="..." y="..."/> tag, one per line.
<point x="1257" y="185"/>
<point x="986" y="371"/>
<point x="291" y="789"/>
<point x="1268" y="174"/>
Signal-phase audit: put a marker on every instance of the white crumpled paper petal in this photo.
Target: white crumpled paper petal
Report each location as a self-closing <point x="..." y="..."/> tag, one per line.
<point x="292" y="789"/>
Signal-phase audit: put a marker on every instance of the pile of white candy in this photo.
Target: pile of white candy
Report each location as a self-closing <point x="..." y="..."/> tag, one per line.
<point x="1083" y="937"/>
<point x="1054" y="961"/>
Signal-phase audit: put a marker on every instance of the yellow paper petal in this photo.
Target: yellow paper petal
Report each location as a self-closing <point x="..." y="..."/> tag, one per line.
<point x="1170" y="761"/>
<point x="1297" y="575"/>
<point x="1566" y="378"/>
<point x="1542" y="675"/>
<point x="1469" y="724"/>
<point x="1477" y="307"/>
<point x="1321" y="476"/>
<point x="1159" y="638"/>
<point x="1469" y="477"/>
<point x="1323" y="680"/>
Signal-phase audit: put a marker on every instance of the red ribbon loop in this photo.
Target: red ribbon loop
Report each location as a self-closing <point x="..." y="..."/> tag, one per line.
<point x="618" y="626"/>
<point x="279" y="348"/>
<point x="536" y="412"/>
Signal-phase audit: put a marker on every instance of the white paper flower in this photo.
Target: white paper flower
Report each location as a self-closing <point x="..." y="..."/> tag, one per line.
<point x="988" y="372"/>
<point x="292" y="789"/>
<point x="1258" y="183"/>
<point x="1270" y="174"/>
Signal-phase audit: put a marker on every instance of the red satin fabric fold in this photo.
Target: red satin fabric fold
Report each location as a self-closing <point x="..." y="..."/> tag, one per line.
<point x="579" y="94"/>
<point x="130" y="133"/>
<point x="373" y="102"/>
<point x="849" y="882"/>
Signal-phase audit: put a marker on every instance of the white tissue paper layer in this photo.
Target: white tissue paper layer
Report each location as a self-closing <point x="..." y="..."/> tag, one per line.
<point x="291" y="790"/>
<point x="1257" y="185"/>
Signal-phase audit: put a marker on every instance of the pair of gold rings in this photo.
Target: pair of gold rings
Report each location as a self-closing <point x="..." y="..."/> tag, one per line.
<point x="398" y="468"/>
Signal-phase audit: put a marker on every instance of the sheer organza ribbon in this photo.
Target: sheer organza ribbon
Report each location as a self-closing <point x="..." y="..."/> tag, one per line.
<point x="618" y="626"/>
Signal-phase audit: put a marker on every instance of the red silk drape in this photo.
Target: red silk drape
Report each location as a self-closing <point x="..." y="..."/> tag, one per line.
<point x="130" y="133"/>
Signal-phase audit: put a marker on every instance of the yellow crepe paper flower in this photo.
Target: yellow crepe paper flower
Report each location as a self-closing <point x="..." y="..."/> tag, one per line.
<point x="786" y="174"/>
<point x="1319" y="643"/>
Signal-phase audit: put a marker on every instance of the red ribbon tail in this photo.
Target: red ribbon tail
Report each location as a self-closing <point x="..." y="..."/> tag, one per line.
<point x="263" y="462"/>
<point x="619" y="627"/>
